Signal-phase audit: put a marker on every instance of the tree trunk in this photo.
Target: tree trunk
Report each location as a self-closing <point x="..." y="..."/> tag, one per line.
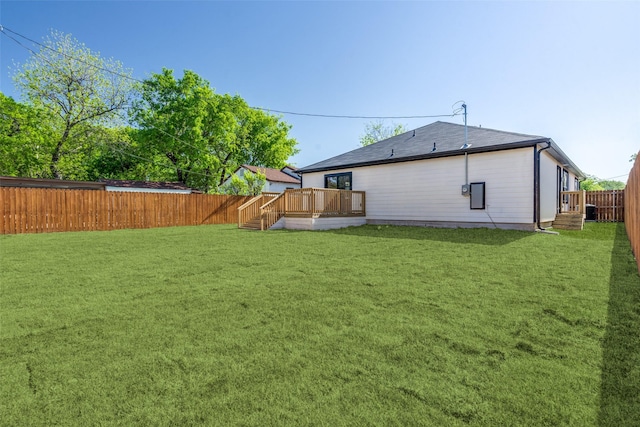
<point x="55" y="157"/>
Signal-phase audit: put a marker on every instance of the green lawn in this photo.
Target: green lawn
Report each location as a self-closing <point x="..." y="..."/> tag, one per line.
<point x="363" y="326"/>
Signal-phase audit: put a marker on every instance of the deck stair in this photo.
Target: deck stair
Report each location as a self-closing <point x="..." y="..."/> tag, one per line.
<point x="569" y="221"/>
<point x="252" y="224"/>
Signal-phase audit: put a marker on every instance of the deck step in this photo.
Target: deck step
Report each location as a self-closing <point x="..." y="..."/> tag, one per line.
<point x="253" y="224"/>
<point x="567" y="221"/>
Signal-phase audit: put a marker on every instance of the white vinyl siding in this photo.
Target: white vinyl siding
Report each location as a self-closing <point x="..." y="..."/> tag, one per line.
<point x="430" y="190"/>
<point x="549" y="186"/>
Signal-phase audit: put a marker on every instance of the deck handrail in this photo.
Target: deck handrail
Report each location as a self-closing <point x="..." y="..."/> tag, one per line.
<point x="272" y="211"/>
<point x="572" y="202"/>
<point x="268" y="208"/>
<point x="251" y="209"/>
<point x="325" y="202"/>
<point x="250" y="201"/>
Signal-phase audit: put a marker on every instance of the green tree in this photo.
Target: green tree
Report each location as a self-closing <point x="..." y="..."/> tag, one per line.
<point x="590" y="184"/>
<point x="633" y="157"/>
<point x="24" y="140"/>
<point x="610" y="184"/>
<point x="81" y="90"/>
<point x="116" y="156"/>
<point x="204" y="137"/>
<point x="251" y="184"/>
<point x="377" y="131"/>
<point x="593" y="183"/>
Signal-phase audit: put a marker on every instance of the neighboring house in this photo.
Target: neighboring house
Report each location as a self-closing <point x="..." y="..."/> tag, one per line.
<point x="277" y="180"/>
<point x="292" y="171"/>
<point x="429" y="177"/>
<point x="13" y="181"/>
<point x="102" y="185"/>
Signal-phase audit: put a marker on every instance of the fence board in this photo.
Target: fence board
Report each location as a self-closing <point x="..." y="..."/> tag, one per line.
<point x="609" y="204"/>
<point x="39" y="210"/>
<point x="632" y="209"/>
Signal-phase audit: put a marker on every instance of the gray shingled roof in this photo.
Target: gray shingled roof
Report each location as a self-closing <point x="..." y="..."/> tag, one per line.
<point x="448" y="139"/>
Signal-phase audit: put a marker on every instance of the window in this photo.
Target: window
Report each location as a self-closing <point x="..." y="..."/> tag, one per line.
<point x="477" y="195"/>
<point x="339" y="181"/>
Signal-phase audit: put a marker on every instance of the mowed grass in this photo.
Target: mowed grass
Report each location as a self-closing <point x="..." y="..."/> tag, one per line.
<point x="213" y="325"/>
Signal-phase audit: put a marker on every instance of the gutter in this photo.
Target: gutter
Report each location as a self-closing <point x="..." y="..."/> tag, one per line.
<point x="536" y="184"/>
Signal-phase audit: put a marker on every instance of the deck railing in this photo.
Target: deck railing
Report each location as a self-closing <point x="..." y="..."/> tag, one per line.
<point x="272" y="211"/>
<point x="251" y="209"/>
<point x="267" y="208"/>
<point x="324" y="202"/>
<point x="572" y="202"/>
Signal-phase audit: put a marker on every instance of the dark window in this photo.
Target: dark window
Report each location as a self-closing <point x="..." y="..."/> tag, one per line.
<point x="477" y="195"/>
<point x="339" y="181"/>
<point x="565" y="180"/>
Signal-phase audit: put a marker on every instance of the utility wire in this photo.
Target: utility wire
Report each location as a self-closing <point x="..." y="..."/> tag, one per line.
<point x="337" y="116"/>
<point x="4" y="30"/>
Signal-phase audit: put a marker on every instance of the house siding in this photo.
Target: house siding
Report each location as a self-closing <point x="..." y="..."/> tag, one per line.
<point x="549" y="186"/>
<point x="430" y="190"/>
<point x="279" y="187"/>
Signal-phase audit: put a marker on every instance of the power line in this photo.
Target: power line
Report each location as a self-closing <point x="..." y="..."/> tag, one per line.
<point x="337" y="116"/>
<point x="4" y="29"/>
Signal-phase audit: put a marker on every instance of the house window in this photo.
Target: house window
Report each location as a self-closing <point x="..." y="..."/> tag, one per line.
<point x="477" y="195"/>
<point x="339" y="181"/>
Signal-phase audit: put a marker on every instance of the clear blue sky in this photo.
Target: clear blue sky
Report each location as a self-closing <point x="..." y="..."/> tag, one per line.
<point x="565" y="70"/>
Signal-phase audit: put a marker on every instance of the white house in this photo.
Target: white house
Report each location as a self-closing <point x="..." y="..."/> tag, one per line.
<point x="277" y="180"/>
<point x="434" y="176"/>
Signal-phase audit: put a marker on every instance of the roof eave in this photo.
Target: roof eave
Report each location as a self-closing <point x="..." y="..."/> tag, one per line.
<point x="436" y="155"/>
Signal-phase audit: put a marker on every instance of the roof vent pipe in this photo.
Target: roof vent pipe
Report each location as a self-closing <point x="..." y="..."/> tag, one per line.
<point x="434" y="147"/>
<point x="414" y="132"/>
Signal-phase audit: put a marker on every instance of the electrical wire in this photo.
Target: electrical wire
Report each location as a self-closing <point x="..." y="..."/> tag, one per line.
<point x="336" y="116"/>
<point x="4" y="29"/>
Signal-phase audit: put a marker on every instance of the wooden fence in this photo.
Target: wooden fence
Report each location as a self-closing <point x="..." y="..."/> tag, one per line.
<point x="610" y="204"/>
<point x="632" y="209"/>
<point x="37" y="210"/>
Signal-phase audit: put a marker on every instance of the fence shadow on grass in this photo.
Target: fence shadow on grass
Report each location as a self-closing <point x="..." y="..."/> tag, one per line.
<point x="481" y="236"/>
<point x="620" y="384"/>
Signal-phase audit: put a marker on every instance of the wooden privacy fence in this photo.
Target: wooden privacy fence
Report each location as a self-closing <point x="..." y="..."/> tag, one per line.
<point x="610" y="205"/>
<point x="38" y="210"/>
<point x="632" y="209"/>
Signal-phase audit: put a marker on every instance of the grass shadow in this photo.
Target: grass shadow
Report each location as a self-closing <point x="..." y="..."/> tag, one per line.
<point x="620" y="385"/>
<point x="481" y="236"/>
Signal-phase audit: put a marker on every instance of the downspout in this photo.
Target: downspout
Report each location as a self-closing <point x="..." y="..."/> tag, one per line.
<point x="536" y="184"/>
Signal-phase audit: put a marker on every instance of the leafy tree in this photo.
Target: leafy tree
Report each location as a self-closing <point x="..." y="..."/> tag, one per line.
<point x="81" y="90"/>
<point x="202" y="136"/>
<point x="251" y="184"/>
<point x="633" y="157"/>
<point x="24" y="140"/>
<point x="612" y="184"/>
<point x="590" y="184"/>
<point x="116" y="156"/>
<point x="593" y="183"/>
<point x="377" y="131"/>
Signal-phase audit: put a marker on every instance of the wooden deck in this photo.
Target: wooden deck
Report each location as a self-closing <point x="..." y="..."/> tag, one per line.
<point x="263" y="211"/>
<point x="572" y="211"/>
